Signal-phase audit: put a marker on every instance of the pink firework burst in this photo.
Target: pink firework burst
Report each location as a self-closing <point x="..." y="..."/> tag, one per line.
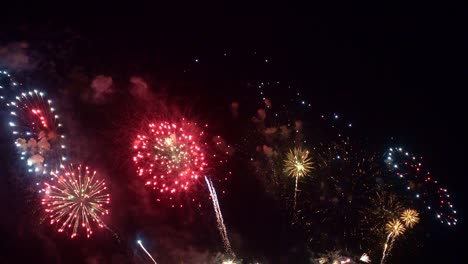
<point x="74" y="198"/>
<point x="170" y="156"/>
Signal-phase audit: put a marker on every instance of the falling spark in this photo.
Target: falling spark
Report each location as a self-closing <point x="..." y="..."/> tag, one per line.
<point x="219" y="217"/>
<point x="147" y="253"/>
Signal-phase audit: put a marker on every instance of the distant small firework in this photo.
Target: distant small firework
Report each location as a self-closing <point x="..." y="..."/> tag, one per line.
<point x="297" y="164"/>
<point x="37" y="131"/>
<point x="170" y="156"/>
<point x="74" y="197"/>
<point x="410" y="217"/>
<point x="421" y="184"/>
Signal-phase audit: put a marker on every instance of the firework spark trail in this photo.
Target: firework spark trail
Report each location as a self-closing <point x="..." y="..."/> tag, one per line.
<point x="384" y="254"/>
<point x="219" y="217"/>
<point x="295" y="194"/>
<point x="394" y="228"/>
<point x="147" y="253"/>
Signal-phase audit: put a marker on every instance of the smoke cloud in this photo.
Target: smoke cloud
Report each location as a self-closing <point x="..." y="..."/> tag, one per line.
<point x="15" y="56"/>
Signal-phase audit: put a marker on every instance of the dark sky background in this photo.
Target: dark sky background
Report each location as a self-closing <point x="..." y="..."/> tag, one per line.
<point x="394" y="70"/>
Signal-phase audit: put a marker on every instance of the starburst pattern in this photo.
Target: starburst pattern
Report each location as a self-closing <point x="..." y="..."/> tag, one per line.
<point x="75" y="197"/>
<point x="169" y="155"/>
<point x="395" y="227"/>
<point x="410" y="217"/>
<point x="298" y="162"/>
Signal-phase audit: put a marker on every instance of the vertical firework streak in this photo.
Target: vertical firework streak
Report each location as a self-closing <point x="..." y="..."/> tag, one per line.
<point x="219" y="217"/>
<point x="384" y="254"/>
<point x="295" y="194"/>
<point x="147" y="253"/>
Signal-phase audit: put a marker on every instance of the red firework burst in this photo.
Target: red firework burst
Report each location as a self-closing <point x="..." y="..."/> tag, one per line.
<point x="170" y="156"/>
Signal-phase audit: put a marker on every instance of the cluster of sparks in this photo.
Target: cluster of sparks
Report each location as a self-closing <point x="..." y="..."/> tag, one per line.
<point x="75" y="198"/>
<point x="37" y="131"/>
<point x="337" y="257"/>
<point x="7" y="84"/>
<point x="420" y="183"/>
<point x="169" y="156"/>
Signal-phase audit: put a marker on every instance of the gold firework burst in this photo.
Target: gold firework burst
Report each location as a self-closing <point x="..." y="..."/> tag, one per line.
<point x="410" y="217"/>
<point x="298" y="162"/>
<point x="395" y="227"/>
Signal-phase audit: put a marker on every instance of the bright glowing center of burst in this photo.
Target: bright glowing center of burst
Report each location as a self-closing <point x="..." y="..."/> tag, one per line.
<point x="300" y="167"/>
<point x="170" y="140"/>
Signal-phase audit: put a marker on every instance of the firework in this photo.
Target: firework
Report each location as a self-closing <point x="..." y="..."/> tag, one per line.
<point x="346" y="178"/>
<point x="147" y="253"/>
<point x="384" y="206"/>
<point x="395" y="227"/>
<point x="229" y="261"/>
<point x="365" y="258"/>
<point x="219" y="217"/>
<point x="37" y="131"/>
<point x="170" y="156"/>
<point x="334" y="257"/>
<point x="297" y="164"/>
<point x="421" y="185"/>
<point x="410" y="217"/>
<point x="75" y="197"/>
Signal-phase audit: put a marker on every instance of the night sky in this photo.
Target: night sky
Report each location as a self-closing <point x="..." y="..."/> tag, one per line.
<point x="396" y="72"/>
